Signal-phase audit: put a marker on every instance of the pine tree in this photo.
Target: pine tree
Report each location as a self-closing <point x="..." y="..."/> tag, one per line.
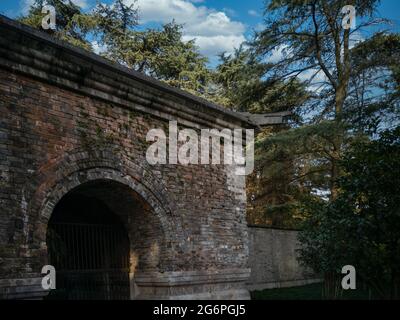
<point x="351" y="85"/>
<point x="160" y="53"/>
<point x="240" y="86"/>
<point x="311" y="39"/>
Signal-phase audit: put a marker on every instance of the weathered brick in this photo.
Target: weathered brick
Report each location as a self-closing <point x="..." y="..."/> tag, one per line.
<point x="186" y="224"/>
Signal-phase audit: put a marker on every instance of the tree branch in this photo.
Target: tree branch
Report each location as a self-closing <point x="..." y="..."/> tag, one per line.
<point x="318" y="49"/>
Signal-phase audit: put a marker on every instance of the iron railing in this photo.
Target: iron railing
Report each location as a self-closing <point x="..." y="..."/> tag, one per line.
<point x="91" y="261"/>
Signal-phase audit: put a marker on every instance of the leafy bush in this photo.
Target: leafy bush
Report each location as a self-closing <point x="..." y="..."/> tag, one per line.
<point x="361" y="227"/>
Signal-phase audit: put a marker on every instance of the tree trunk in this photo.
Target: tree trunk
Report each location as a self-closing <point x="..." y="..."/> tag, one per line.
<point x="331" y="288"/>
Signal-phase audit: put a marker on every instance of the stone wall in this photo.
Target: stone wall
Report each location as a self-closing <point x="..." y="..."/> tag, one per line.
<point x="273" y="259"/>
<point x="69" y="118"/>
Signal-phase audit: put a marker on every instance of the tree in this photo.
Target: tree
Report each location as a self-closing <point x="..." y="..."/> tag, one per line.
<point x="163" y="55"/>
<point x="160" y="53"/>
<point x="313" y="45"/>
<point x="239" y="85"/>
<point x="374" y="94"/>
<point x="351" y="76"/>
<point x="361" y="227"/>
<point x="72" y="25"/>
<point x="351" y="81"/>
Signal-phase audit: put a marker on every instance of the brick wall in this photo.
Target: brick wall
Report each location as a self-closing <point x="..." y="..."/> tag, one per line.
<point x="68" y="118"/>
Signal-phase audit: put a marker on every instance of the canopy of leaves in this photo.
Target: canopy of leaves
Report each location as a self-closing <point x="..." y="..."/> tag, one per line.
<point x="350" y="79"/>
<point x="160" y="53"/>
<point x="72" y="25"/>
<point x="240" y="85"/>
<point x="361" y="227"/>
<point x="374" y="96"/>
<point x="163" y="55"/>
<point x="240" y="81"/>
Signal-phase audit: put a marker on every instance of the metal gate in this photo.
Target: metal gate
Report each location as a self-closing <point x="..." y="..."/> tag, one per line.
<point x="91" y="261"/>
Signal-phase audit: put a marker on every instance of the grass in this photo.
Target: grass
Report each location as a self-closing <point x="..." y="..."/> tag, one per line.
<point x="307" y="292"/>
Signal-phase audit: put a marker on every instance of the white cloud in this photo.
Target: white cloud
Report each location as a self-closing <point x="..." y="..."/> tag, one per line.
<point x="81" y="3"/>
<point x="213" y="30"/>
<point x="25" y="5"/>
<point x="316" y="77"/>
<point x="316" y="73"/>
<point x="213" y="24"/>
<point x="278" y="54"/>
<point x="253" y="13"/>
<point x="355" y="39"/>
<point x="98" y="48"/>
<point x="213" y="45"/>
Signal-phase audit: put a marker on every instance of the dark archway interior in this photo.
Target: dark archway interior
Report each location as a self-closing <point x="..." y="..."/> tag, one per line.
<point x="88" y="243"/>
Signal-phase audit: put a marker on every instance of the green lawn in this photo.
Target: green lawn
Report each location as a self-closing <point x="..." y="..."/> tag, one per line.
<point x="307" y="292"/>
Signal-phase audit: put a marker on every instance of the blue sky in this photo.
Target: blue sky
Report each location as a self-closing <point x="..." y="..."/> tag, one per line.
<point x="217" y="25"/>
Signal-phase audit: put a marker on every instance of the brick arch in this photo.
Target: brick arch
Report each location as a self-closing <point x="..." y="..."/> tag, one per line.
<point x="78" y="167"/>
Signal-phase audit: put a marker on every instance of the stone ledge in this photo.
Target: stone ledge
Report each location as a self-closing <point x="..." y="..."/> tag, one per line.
<point x="281" y="284"/>
<point x="225" y="284"/>
<point x="179" y="278"/>
<point x="29" y="288"/>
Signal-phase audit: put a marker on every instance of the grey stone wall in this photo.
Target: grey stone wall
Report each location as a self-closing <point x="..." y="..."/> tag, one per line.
<point x="273" y="259"/>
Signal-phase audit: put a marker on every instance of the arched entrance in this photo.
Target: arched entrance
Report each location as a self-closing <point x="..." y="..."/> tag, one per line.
<point x="140" y="203"/>
<point x="88" y="244"/>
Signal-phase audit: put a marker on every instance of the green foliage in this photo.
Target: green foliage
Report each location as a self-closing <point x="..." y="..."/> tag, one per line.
<point x="72" y="25"/>
<point x="163" y="55"/>
<point x="239" y="80"/>
<point x="240" y="86"/>
<point x="160" y="53"/>
<point x="374" y="96"/>
<point x="347" y="79"/>
<point x="361" y="227"/>
<point x="293" y="165"/>
<point x="347" y="90"/>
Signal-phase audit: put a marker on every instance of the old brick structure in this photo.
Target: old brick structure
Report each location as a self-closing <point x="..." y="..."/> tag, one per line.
<point x="74" y="124"/>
